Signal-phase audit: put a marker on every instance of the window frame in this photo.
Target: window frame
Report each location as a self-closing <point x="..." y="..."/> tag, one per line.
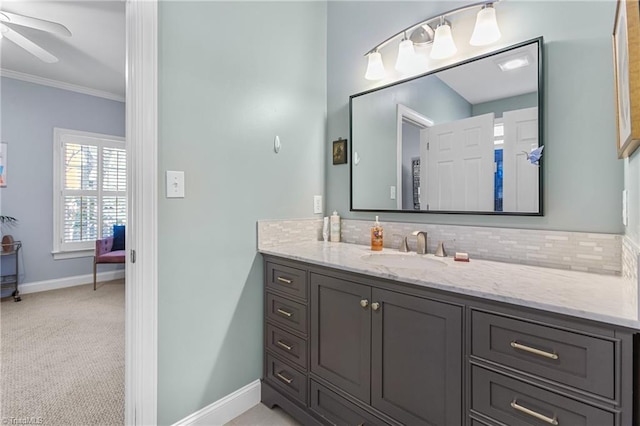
<point x="62" y="250"/>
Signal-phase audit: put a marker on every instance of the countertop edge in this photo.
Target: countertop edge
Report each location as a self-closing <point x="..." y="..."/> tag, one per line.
<point x="525" y="302"/>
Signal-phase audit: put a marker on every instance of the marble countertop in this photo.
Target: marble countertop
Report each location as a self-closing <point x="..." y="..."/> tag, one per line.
<point x="609" y="299"/>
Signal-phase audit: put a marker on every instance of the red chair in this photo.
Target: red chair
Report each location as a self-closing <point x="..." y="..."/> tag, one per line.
<point x="104" y="254"/>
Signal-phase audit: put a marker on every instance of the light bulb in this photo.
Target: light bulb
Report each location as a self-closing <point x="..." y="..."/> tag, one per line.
<point x="406" y="57"/>
<point x="443" y="45"/>
<point x="486" y="30"/>
<point x="375" y="68"/>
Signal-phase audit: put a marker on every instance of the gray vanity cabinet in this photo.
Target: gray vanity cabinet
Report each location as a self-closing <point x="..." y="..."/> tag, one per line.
<point x="347" y="349"/>
<point x="416" y="359"/>
<point x="398" y="353"/>
<point x="341" y="334"/>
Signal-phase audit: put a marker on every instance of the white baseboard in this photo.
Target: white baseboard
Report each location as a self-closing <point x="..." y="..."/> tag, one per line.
<point x="225" y="409"/>
<point x="37" y="286"/>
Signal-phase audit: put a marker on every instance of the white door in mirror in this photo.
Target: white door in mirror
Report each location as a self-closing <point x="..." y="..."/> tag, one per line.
<point x="175" y="184"/>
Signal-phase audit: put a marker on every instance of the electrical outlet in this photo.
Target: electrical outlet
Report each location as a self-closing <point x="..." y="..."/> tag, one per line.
<point x="317" y="203"/>
<point x="392" y="192"/>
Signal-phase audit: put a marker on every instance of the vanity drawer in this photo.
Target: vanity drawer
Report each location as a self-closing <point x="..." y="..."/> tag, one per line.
<point x="573" y="359"/>
<point x="287" y="312"/>
<point x="337" y="410"/>
<point x="287" y="345"/>
<point x="515" y="403"/>
<point x="287" y="379"/>
<point x="286" y="279"/>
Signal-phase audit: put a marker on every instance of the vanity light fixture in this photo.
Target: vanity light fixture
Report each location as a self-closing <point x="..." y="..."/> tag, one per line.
<point x="406" y="56"/>
<point x="443" y="45"/>
<point x="486" y="31"/>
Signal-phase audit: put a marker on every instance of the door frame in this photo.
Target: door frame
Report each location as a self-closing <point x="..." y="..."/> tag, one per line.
<point x="141" y="290"/>
<point x="404" y="113"/>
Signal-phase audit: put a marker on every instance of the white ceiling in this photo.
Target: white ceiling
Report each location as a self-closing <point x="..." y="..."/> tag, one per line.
<point x="489" y="82"/>
<point x="93" y="58"/>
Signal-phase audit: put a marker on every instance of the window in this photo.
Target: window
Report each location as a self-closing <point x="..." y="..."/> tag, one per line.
<point x="90" y="190"/>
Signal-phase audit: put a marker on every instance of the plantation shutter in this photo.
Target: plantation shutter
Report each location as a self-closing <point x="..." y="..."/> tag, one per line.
<point x="94" y="185"/>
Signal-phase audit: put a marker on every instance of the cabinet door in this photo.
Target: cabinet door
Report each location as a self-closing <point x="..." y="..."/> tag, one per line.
<point x="341" y="334"/>
<point x="416" y="374"/>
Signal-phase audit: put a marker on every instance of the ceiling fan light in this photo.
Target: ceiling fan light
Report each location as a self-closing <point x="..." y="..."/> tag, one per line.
<point x="443" y="45"/>
<point x="375" y="67"/>
<point x="486" y="30"/>
<point x="406" y="57"/>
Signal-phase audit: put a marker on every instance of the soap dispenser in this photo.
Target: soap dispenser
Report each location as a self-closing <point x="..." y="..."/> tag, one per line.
<point x="376" y="236"/>
<point x="335" y="227"/>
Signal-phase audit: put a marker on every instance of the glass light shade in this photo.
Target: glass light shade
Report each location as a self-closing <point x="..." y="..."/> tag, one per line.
<point x="375" y="68"/>
<point x="406" y="57"/>
<point x="486" y="30"/>
<point x="443" y="45"/>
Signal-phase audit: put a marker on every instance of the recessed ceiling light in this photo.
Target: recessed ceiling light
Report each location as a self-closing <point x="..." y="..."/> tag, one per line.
<point x="513" y="62"/>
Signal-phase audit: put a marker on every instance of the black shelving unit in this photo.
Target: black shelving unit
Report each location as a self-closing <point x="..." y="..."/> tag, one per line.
<point x="9" y="282"/>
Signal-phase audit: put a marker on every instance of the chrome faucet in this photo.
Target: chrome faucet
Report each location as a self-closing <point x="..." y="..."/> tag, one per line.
<point x="422" y="241"/>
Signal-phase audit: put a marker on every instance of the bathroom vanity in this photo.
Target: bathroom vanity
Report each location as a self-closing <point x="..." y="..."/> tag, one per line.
<point x="354" y="339"/>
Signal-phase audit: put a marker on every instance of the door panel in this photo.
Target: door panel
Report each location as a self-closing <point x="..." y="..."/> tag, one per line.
<point x="520" y="183"/>
<point x="416" y="374"/>
<point x="460" y="165"/>
<point x="341" y="334"/>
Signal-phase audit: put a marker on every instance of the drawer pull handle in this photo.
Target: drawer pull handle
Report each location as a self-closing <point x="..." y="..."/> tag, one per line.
<point x="285" y="313"/>
<point x="284" y="345"/>
<point x="551" y="421"/>
<point x="529" y="349"/>
<point x="288" y="381"/>
<point x="284" y="280"/>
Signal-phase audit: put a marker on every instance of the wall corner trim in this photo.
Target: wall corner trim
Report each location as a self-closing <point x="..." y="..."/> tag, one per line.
<point x="226" y="408"/>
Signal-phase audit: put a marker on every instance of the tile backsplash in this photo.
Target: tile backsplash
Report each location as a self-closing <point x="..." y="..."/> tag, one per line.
<point x="580" y="251"/>
<point x="630" y="254"/>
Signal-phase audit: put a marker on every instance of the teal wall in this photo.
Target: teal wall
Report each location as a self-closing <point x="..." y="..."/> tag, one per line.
<point x="632" y="184"/>
<point x="232" y="76"/>
<point x="527" y="100"/>
<point x="583" y="179"/>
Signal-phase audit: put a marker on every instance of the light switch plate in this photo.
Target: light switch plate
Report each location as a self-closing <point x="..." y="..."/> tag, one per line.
<point x="317" y="203"/>
<point x="175" y="184"/>
<point x="392" y="192"/>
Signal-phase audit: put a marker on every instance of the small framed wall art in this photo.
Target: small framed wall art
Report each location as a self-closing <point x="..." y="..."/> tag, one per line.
<point x="626" y="65"/>
<point x="340" y="151"/>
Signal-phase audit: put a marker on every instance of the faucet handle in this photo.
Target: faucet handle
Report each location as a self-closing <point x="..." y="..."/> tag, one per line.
<point x="440" y="252"/>
<point x="404" y="246"/>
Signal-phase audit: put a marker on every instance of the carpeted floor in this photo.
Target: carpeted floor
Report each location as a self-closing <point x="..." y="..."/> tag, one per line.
<point x="62" y="357"/>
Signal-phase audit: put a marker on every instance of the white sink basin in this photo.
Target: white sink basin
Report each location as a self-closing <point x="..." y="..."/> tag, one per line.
<point x="403" y="260"/>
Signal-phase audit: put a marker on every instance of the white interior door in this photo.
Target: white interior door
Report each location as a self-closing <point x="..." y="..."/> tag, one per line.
<point x="460" y="165"/>
<point x="520" y="178"/>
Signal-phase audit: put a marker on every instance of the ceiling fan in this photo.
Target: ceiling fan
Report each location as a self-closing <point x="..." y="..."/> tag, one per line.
<point x="8" y="20"/>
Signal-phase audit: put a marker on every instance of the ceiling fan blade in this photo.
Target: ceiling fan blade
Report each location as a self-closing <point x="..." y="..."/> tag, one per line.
<point x="38" y="24"/>
<point x="28" y="45"/>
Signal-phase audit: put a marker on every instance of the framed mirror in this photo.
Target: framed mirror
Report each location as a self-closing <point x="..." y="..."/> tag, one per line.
<point x="461" y="139"/>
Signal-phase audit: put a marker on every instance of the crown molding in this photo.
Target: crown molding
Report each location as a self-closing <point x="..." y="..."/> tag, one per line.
<point x="60" y="85"/>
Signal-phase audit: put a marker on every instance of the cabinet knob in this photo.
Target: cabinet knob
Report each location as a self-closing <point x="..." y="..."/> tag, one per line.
<point x="364" y="303"/>
<point x="375" y="306"/>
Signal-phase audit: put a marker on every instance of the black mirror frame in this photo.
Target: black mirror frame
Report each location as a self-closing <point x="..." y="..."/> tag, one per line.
<point x="540" y="41"/>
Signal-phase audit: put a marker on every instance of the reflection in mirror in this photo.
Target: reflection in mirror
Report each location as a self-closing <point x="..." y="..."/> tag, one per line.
<point x="455" y="140"/>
